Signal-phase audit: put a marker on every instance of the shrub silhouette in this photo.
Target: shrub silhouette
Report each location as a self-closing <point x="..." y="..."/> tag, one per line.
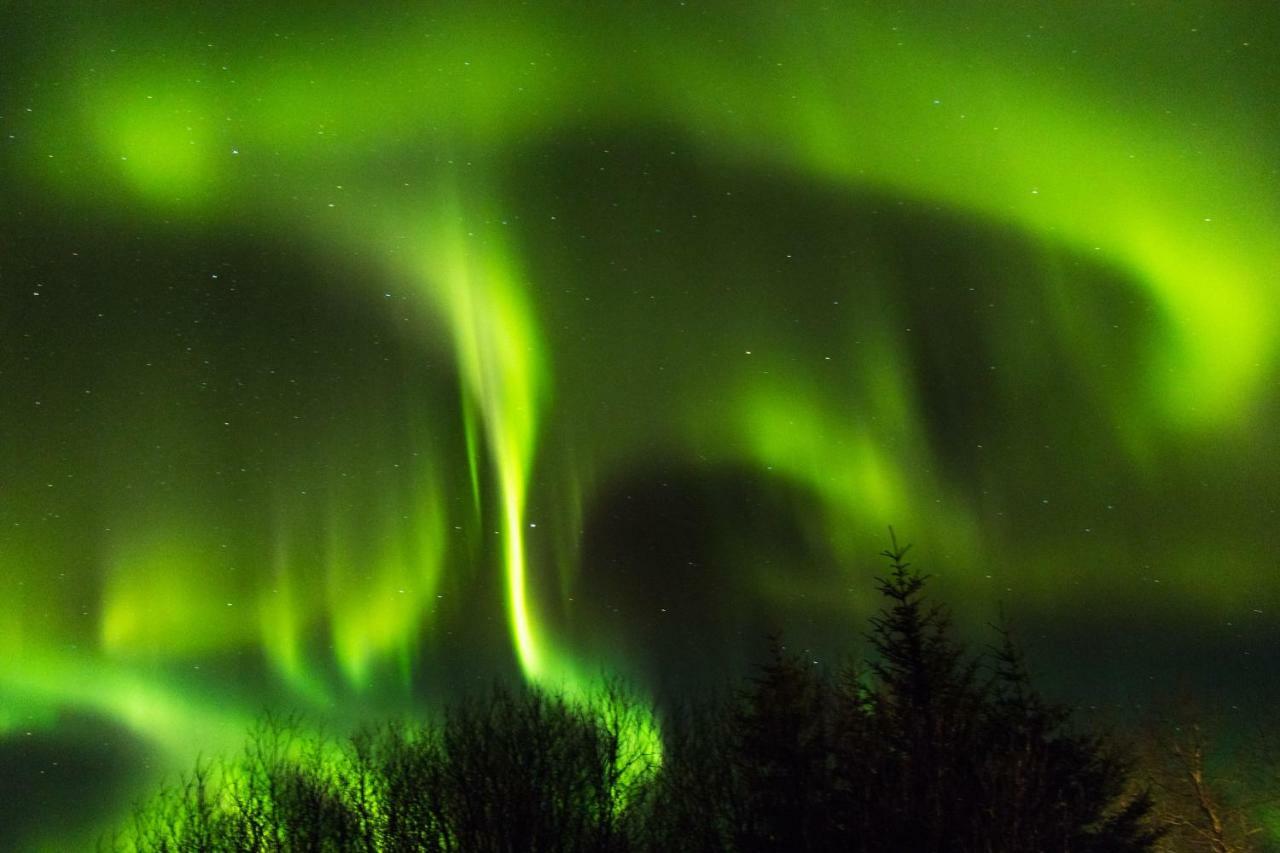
<point x="515" y="771"/>
<point x="1215" y="783"/>
<point x="923" y="748"/>
<point x="510" y="771"/>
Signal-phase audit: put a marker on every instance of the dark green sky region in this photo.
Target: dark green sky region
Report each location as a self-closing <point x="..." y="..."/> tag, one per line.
<point x="353" y="356"/>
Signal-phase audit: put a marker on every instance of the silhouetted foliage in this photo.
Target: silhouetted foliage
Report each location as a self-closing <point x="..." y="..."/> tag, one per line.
<point x="518" y="771"/>
<point x="1211" y="796"/>
<point x="511" y="771"/>
<point x="922" y="748"/>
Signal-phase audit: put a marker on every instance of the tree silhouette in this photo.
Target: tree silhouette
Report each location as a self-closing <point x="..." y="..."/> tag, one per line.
<point x="924" y="747"/>
<point x="783" y="752"/>
<point x="1208" y="798"/>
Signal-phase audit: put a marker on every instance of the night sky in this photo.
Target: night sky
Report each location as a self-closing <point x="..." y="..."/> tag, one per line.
<point x="352" y="358"/>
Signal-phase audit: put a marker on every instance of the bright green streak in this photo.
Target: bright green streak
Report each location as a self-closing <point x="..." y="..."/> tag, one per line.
<point x="468" y="278"/>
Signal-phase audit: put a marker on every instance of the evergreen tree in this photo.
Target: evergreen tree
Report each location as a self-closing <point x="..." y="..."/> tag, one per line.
<point x="783" y="753"/>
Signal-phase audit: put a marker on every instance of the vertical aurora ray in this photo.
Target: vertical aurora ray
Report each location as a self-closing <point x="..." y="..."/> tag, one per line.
<point x="283" y="621"/>
<point x="472" y="279"/>
<point x="470" y="276"/>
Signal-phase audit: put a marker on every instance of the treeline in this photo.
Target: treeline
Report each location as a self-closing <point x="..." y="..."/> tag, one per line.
<point x="925" y="747"/>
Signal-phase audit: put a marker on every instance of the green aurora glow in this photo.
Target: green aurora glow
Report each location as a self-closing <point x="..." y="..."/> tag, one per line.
<point x="341" y="342"/>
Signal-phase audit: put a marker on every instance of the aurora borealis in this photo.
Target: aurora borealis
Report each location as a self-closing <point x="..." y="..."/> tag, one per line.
<point x="351" y="357"/>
